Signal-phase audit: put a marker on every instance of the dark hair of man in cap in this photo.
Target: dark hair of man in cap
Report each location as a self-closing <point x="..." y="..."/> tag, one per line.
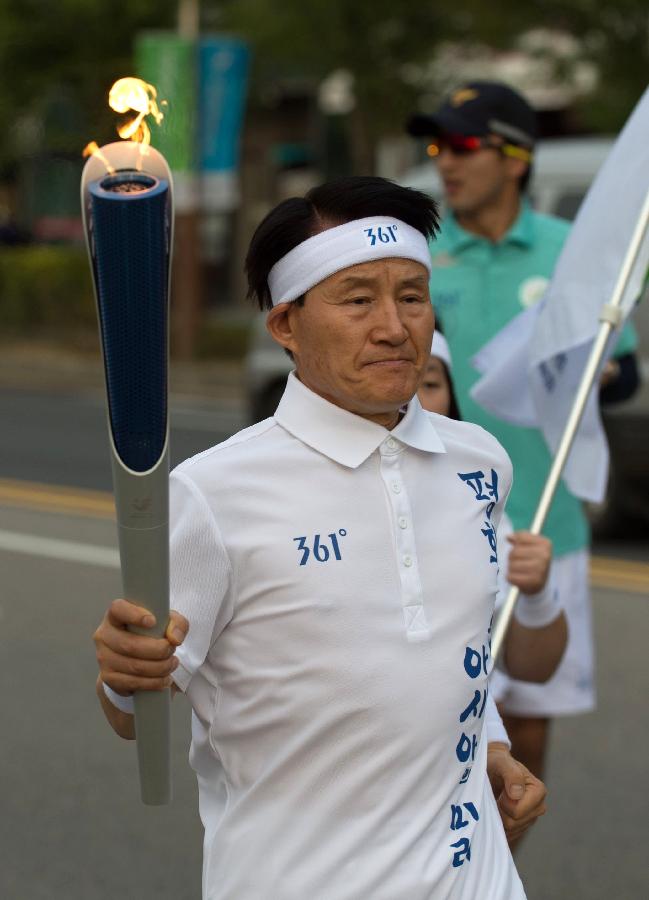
<point x="334" y="203"/>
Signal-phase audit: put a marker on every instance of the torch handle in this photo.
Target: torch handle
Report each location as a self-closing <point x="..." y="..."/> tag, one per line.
<point x="142" y="503"/>
<point x="153" y="732"/>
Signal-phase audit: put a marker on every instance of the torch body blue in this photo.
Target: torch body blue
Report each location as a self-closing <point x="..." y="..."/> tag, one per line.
<point x="128" y="218"/>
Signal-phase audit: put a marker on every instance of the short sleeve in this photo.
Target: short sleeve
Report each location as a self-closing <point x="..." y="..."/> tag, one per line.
<point x="200" y="574"/>
<point x="505" y="529"/>
<point x="493" y="724"/>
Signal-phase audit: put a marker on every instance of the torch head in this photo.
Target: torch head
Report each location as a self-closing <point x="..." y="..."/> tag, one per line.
<point x="128" y="221"/>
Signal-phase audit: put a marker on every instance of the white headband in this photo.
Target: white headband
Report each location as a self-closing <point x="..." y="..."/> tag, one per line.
<point x="441" y="349"/>
<point x="362" y="240"/>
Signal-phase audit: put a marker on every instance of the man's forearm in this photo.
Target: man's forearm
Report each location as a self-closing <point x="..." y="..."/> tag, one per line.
<point x="533" y="654"/>
<point x="122" y="723"/>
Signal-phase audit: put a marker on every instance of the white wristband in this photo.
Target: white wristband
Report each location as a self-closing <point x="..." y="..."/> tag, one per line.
<point x="125" y="704"/>
<point x="538" y="610"/>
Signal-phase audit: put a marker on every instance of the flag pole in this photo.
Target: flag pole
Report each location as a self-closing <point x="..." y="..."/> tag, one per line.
<point x="611" y="317"/>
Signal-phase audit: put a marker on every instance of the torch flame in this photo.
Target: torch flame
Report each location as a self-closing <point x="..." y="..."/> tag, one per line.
<point x="92" y="149"/>
<point x="134" y="95"/>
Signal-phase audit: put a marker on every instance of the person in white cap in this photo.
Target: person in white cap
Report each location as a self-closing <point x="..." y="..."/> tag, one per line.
<point x="334" y="571"/>
<point x="493" y="257"/>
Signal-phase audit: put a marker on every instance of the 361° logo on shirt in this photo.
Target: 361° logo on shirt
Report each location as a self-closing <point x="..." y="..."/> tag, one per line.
<point x="318" y="549"/>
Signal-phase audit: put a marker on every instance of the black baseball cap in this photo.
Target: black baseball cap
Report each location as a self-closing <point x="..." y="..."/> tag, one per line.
<point x="477" y="109"/>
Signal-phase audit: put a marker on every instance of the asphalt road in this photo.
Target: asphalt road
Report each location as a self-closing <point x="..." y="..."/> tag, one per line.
<point x="61" y="438"/>
<point x="72" y="825"/>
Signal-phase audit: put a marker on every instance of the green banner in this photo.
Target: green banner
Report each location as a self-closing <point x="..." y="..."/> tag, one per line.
<point x="168" y="62"/>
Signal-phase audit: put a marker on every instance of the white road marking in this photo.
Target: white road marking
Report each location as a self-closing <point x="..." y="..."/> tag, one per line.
<point x="54" y="548"/>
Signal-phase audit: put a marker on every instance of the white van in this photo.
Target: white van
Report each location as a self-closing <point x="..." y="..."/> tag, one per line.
<point x="563" y="171"/>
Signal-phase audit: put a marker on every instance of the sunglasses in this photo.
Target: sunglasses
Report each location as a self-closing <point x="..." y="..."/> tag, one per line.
<point x="464" y="145"/>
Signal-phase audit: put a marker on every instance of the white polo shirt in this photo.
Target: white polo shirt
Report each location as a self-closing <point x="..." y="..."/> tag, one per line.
<point x="339" y="580"/>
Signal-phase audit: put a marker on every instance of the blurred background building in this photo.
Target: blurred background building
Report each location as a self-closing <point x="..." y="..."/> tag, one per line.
<point x="265" y="99"/>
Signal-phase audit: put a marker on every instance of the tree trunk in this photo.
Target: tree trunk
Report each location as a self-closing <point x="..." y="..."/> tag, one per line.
<point x="361" y="141"/>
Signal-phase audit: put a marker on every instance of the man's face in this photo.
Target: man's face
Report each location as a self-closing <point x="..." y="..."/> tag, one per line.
<point x="477" y="180"/>
<point x="362" y="338"/>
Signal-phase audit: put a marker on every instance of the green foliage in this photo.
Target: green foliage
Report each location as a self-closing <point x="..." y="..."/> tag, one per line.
<point x="59" y="58"/>
<point x="221" y="339"/>
<point x="45" y="289"/>
<point x="614" y="35"/>
<point x="377" y="41"/>
<point x="374" y="41"/>
<point x="58" y="61"/>
<point x="46" y="292"/>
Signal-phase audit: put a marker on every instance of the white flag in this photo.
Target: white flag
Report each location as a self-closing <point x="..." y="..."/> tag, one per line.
<point x="532" y="368"/>
<point x="503" y="362"/>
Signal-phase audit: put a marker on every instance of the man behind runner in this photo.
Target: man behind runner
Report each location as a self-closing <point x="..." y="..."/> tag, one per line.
<point x="494" y="257"/>
<point x="336" y="568"/>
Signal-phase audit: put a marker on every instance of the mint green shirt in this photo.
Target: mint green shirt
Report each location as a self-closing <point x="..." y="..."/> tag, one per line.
<point x="477" y="287"/>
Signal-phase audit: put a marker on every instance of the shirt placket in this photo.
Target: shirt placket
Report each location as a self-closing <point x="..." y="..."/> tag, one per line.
<point x="414" y="615"/>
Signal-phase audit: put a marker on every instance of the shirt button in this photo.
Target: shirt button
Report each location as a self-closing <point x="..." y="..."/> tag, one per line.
<point x="391" y="443"/>
<point x="403" y="522"/>
<point x="407" y="561"/>
<point x="396" y="487"/>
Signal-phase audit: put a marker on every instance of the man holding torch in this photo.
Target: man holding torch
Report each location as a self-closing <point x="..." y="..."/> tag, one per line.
<point x="333" y="575"/>
<point x="494" y="257"/>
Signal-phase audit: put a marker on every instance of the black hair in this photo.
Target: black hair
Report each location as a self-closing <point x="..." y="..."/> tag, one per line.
<point x="453" y="407"/>
<point x="524" y="180"/>
<point x="326" y="206"/>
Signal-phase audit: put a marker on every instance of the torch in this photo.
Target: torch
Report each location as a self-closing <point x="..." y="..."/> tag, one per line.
<point x="127" y="207"/>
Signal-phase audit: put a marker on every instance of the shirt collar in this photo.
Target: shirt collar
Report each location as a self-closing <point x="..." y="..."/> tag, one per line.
<point x="457" y="238"/>
<point x="343" y="436"/>
<point x="521" y="232"/>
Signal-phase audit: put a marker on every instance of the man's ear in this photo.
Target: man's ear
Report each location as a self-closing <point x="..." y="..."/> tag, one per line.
<point x="279" y="323"/>
<point x="516" y="168"/>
